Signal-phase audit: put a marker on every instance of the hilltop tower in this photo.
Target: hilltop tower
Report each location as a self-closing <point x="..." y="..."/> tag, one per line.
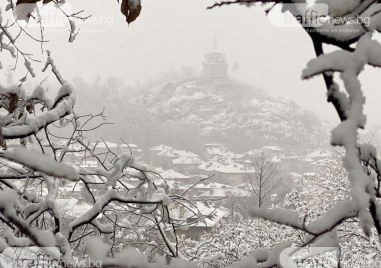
<point x="215" y="67"/>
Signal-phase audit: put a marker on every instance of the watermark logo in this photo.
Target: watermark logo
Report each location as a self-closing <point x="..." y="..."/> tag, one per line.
<point x="324" y="257"/>
<point x="312" y="16"/>
<point x="53" y="16"/>
<point x="39" y="257"/>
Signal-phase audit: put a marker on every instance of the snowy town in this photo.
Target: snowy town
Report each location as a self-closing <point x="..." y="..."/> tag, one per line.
<point x="190" y="134"/>
<point x="212" y="178"/>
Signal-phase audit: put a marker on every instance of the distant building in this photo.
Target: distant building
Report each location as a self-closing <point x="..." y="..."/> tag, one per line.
<point x="166" y="156"/>
<point x="196" y="220"/>
<point x="131" y="148"/>
<point x="186" y="164"/>
<point x="273" y="151"/>
<point x="173" y="175"/>
<point x="231" y="174"/>
<point x="211" y="150"/>
<point x="215" y="67"/>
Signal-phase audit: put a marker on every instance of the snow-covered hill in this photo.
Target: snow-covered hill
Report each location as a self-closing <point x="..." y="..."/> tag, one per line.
<point x="236" y="114"/>
<point x="186" y="114"/>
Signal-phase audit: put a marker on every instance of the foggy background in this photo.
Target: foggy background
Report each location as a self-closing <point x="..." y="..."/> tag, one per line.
<point x="173" y="34"/>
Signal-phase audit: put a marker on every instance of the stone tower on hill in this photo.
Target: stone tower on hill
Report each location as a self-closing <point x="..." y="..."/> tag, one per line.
<point x="215" y="66"/>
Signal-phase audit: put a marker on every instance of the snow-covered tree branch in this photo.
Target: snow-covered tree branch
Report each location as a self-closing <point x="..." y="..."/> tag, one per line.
<point x="121" y="202"/>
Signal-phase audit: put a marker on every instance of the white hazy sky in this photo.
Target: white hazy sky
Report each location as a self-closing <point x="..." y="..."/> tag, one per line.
<point x="170" y="34"/>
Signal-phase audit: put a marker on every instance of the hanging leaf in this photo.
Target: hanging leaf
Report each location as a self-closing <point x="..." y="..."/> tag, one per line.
<point x="26" y="2"/>
<point x="131" y="9"/>
<point x="32" y="1"/>
<point x="24" y="8"/>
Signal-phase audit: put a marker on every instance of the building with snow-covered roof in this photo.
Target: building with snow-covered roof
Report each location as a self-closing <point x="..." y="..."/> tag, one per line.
<point x="313" y="161"/>
<point x="173" y="153"/>
<point x="186" y="164"/>
<point x="217" y="185"/>
<point x="233" y="156"/>
<point x="232" y="168"/>
<point x="196" y="220"/>
<point x="275" y="160"/>
<point x="173" y="175"/>
<point x="233" y="174"/>
<point x="131" y="148"/>
<point x="212" y="152"/>
<point x="210" y="166"/>
<point x="165" y="157"/>
<point x="253" y="153"/>
<point x="160" y="148"/>
<point x="273" y="151"/>
<point x="213" y="144"/>
<point x="219" y="193"/>
<point x="187" y="160"/>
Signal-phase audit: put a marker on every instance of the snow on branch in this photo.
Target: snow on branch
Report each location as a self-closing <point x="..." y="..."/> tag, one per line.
<point x="345" y="134"/>
<point x="62" y="107"/>
<point x="273" y="258"/>
<point x="278" y="215"/>
<point x="333" y="217"/>
<point x="102" y="202"/>
<point x="42" y="163"/>
<point x="336" y="61"/>
<point x="50" y="62"/>
<point x="8" y="204"/>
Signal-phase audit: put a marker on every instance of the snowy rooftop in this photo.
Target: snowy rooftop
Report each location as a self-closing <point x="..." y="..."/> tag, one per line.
<point x="231" y="155"/>
<point x="235" y="168"/>
<point x="176" y="153"/>
<point x="171" y="184"/>
<point x="224" y="192"/>
<point x="214" y="151"/>
<point x="160" y="148"/>
<point x="200" y="215"/>
<point x="210" y="166"/>
<point x="254" y="153"/>
<point x="272" y="148"/>
<point x="212" y="185"/>
<point x="172" y="174"/>
<point x="275" y="160"/>
<point x="223" y="153"/>
<point x="213" y="145"/>
<point x="186" y="160"/>
<point x="102" y="144"/>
